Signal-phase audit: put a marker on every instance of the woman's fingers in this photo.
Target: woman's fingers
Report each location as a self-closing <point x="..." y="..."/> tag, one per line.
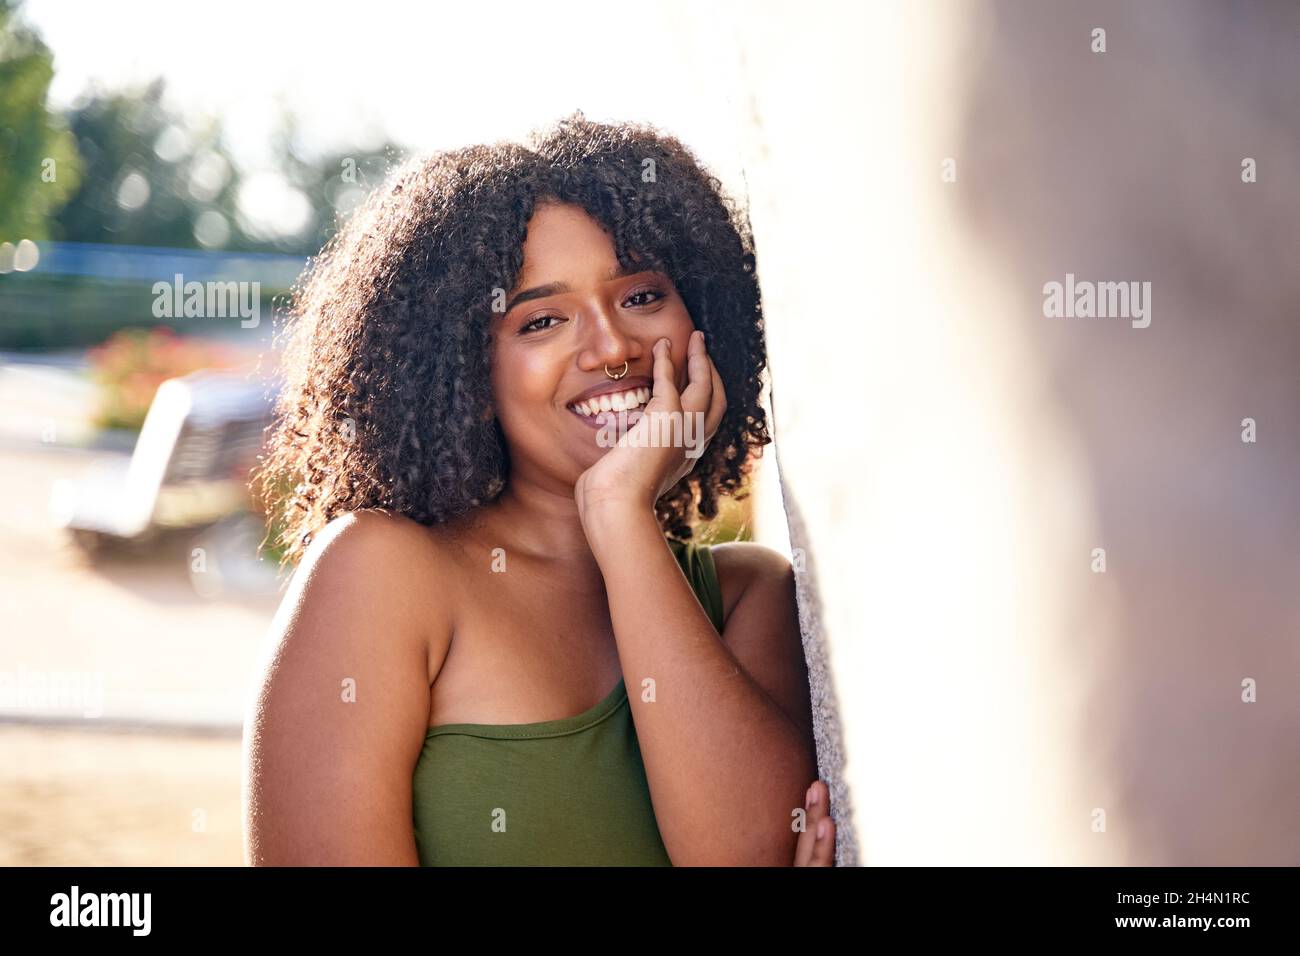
<point x="704" y="396"/>
<point x="703" y="391"/>
<point x="803" y="848"/>
<point x="697" y="397"/>
<point x="664" y="389"/>
<point x="824" y="848"/>
<point x="816" y="844"/>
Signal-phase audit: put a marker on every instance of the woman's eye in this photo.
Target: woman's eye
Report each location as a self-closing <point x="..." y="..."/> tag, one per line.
<point x="654" y="292"/>
<point x="528" y="326"/>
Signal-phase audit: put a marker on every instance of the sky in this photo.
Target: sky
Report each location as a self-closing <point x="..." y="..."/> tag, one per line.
<point x="429" y="76"/>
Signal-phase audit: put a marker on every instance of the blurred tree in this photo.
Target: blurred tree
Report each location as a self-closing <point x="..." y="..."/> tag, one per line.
<point x="124" y="167"/>
<point x="334" y="183"/>
<point x="149" y="177"/>
<point x="38" y="158"/>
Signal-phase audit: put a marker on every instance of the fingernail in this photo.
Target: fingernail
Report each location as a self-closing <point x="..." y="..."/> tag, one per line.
<point x="813" y="795"/>
<point x="808" y="798"/>
<point x="823" y="829"/>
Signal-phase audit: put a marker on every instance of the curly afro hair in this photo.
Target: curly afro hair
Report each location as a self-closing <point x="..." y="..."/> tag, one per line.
<point x="386" y="400"/>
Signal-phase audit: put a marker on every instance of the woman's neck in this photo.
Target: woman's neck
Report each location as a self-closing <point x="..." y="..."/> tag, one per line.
<point x="538" y="523"/>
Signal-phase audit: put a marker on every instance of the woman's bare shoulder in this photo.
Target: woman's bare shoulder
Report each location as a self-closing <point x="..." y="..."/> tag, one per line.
<point x="381" y="569"/>
<point x="379" y="551"/>
<point x="740" y="563"/>
<point x="377" y="533"/>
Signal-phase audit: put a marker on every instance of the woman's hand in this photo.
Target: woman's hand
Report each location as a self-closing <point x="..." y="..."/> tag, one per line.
<point x="812" y="850"/>
<point x="646" y="463"/>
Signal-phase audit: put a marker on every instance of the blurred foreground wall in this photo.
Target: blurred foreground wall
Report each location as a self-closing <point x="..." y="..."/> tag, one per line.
<point x="1056" y="554"/>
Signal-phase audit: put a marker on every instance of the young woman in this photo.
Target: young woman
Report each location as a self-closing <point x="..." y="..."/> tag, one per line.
<point x="478" y="567"/>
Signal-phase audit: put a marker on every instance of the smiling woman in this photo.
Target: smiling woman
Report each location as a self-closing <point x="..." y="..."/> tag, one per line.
<point x="476" y="568"/>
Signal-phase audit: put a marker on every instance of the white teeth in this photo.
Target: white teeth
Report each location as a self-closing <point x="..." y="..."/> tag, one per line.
<point x="620" y="402"/>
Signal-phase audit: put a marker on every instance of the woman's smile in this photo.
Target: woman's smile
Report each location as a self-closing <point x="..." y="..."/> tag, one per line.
<point x="610" y="399"/>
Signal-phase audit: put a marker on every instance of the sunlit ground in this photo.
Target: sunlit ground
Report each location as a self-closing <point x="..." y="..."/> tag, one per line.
<point x="102" y="798"/>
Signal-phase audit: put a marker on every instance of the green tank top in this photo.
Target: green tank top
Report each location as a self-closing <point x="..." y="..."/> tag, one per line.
<point x="567" y="792"/>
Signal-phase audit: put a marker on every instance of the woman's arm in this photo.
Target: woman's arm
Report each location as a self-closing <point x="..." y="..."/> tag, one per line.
<point x="762" y="625"/>
<point x="727" y="753"/>
<point x="342" y="710"/>
<point x="726" y="745"/>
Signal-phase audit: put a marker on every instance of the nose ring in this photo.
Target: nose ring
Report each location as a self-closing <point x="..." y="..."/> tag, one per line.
<point x="620" y="374"/>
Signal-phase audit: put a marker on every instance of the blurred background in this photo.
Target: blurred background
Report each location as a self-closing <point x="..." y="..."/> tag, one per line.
<point x="1047" y="565"/>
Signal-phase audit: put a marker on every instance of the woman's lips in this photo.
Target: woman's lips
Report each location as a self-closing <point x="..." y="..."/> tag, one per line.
<point x="629" y="402"/>
<point x="606" y="419"/>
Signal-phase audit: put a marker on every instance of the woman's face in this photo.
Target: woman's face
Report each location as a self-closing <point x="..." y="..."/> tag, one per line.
<point x="571" y="313"/>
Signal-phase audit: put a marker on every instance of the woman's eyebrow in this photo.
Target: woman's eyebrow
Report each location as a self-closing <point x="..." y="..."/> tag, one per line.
<point x="558" y="288"/>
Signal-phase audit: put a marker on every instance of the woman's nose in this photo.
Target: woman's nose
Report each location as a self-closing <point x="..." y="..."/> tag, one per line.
<point x="607" y="342"/>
